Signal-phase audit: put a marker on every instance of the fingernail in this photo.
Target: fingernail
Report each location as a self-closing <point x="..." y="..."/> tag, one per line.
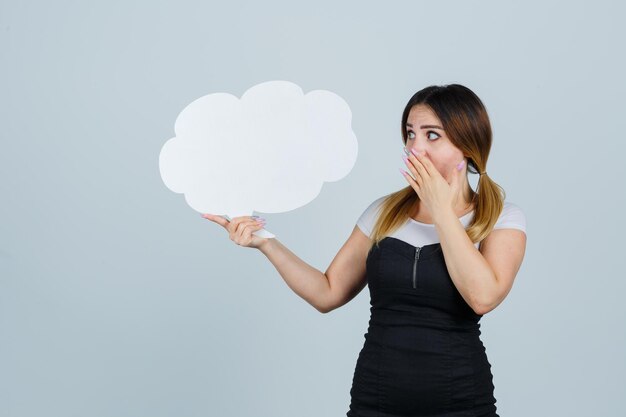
<point x="460" y="165"/>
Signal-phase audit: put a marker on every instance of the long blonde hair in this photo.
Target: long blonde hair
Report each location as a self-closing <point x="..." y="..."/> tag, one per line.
<point x="466" y="123"/>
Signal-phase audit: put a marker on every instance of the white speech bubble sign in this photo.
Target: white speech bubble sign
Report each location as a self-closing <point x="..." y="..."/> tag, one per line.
<point x="270" y="151"/>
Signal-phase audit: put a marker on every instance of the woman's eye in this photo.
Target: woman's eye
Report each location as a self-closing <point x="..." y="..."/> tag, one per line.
<point x="411" y="135"/>
<point x="430" y="131"/>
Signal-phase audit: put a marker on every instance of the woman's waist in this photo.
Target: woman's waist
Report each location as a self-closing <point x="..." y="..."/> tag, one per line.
<point x="423" y="318"/>
<point x="426" y="338"/>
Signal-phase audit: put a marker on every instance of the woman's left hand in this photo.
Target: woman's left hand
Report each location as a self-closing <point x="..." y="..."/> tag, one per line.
<point x="432" y="188"/>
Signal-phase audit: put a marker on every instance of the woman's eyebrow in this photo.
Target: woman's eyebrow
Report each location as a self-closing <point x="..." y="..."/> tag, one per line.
<point x="426" y="126"/>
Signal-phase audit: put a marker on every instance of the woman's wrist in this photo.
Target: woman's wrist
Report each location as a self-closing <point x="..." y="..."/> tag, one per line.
<point x="266" y="245"/>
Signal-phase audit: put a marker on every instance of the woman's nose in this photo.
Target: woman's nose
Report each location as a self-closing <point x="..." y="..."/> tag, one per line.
<point x="415" y="149"/>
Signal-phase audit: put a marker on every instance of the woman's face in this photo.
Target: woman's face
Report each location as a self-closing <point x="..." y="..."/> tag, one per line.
<point x="425" y="134"/>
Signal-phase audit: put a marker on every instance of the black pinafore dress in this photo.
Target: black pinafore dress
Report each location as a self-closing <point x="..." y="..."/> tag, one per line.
<point x="422" y="354"/>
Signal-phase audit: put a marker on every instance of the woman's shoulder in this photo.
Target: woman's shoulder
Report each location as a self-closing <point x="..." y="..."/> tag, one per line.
<point x="511" y="217"/>
<point x="367" y="219"/>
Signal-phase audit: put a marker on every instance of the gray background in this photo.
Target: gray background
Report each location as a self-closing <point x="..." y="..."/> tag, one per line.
<point x="117" y="299"/>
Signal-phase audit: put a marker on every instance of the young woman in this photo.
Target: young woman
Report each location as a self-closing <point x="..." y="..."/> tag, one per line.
<point x="436" y="257"/>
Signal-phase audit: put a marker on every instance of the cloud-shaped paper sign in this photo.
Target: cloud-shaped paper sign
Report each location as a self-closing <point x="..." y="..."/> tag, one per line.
<point x="270" y="151"/>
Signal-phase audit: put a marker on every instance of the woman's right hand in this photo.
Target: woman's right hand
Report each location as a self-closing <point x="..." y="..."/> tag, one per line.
<point x="240" y="229"/>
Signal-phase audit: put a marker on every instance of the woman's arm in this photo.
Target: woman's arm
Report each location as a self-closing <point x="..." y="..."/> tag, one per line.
<point x="343" y="280"/>
<point x="483" y="277"/>
<point x="309" y="283"/>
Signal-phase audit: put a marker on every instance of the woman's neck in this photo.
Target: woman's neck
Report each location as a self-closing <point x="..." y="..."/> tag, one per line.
<point x="420" y="213"/>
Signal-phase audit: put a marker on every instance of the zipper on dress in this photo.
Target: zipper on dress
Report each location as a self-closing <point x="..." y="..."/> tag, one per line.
<point x="417" y="256"/>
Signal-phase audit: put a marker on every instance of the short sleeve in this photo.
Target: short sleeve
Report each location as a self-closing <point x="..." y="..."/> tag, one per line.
<point x="512" y="217"/>
<point x="367" y="219"/>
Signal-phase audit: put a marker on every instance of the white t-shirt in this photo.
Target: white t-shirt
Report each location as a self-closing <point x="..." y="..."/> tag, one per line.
<point x="420" y="234"/>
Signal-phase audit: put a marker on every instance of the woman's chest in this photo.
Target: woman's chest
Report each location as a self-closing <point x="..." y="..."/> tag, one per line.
<point x="398" y="264"/>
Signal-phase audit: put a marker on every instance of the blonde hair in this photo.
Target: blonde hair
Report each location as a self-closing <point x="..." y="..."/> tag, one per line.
<point x="466" y="123"/>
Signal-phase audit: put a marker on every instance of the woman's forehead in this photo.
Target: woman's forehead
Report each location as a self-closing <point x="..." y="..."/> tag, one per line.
<point x="422" y="112"/>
